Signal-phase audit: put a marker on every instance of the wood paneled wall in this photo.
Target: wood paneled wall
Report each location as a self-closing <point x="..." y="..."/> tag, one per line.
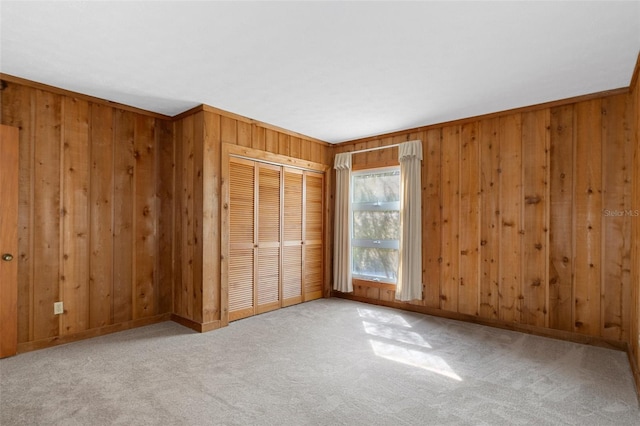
<point x="196" y="188"/>
<point x="120" y="211"/>
<point x="88" y="214"/>
<point x="635" y="234"/>
<point x="527" y="218"/>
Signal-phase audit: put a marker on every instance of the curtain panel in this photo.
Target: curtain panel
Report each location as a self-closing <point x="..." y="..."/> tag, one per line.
<point x="409" y="286"/>
<point x="342" y="232"/>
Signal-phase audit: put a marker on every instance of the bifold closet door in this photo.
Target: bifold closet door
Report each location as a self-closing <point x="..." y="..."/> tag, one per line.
<point x="242" y="247"/>
<point x="268" y="224"/>
<point x="275" y="236"/>
<point x="313" y="232"/>
<point x="292" y="237"/>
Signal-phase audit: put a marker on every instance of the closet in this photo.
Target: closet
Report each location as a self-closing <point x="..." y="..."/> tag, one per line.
<point x="275" y="235"/>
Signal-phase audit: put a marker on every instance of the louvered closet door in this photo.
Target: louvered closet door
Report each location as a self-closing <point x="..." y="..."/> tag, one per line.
<point x="292" y="241"/>
<point x="241" y="238"/>
<point x="313" y="232"/>
<point x="268" y="222"/>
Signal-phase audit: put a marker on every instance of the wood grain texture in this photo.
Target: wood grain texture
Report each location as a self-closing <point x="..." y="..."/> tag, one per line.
<point x="178" y="305"/>
<point x="18" y="110"/>
<point x="123" y="215"/>
<point x="450" y="268"/>
<point x="187" y="217"/>
<point x="432" y="211"/>
<point x="588" y="220"/>
<point x="46" y="212"/>
<point x="635" y="232"/>
<point x="165" y="190"/>
<point x="490" y="219"/>
<point x="9" y="146"/>
<point x="197" y="217"/>
<point x="561" y="249"/>
<point x="77" y="197"/>
<point x="535" y="150"/>
<point x="145" y="216"/>
<point x="101" y="202"/>
<point x="211" y="218"/>
<point x="511" y="201"/>
<point x="470" y="219"/>
<point x="75" y="216"/>
<point x="617" y="167"/>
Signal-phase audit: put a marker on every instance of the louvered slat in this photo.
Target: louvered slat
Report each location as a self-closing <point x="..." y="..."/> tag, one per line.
<point x="268" y="275"/>
<point x="240" y="279"/>
<point x="291" y="272"/>
<point x="314" y="207"/>
<point x="268" y="204"/>
<point x="313" y="276"/>
<point x="292" y="205"/>
<point x="241" y="202"/>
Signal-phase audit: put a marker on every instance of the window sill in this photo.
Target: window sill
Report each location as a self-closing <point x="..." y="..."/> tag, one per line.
<point x="374" y="284"/>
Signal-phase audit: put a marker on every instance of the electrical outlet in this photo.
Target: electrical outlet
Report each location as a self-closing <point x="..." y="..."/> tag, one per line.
<point x="58" y="308"/>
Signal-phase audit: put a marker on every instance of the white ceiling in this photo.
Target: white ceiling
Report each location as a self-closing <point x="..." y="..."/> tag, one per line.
<point x="331" y="70"/>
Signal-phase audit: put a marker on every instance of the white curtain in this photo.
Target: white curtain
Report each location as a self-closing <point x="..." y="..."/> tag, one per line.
<point x="342" y="234"/>
<point x="409" y="286"/>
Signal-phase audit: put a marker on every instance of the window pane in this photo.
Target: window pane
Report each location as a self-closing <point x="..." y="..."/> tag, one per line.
<point x="375" y="263"/>
<point x="384" y="225"/>
<point x="376" y="187"/>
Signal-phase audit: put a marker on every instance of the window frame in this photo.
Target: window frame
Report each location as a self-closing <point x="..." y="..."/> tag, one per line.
<point x="372" y="206"/>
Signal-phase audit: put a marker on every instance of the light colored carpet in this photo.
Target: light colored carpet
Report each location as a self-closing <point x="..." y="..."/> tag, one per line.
<point x="327" y="362"/>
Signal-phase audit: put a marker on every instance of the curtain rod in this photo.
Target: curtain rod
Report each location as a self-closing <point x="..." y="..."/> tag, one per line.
<point x="372" y="149"/>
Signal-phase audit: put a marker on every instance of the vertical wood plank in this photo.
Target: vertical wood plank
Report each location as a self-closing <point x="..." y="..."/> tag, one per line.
<point x="317" y="154"/>
<point x="469" y="220"/>
<point x="244" y="133"/>
<point x="179" y="203"/>
<point x="75" y="216"/>
<point x="123" y="203"/>
<point x="187" y="213"/>
<point x="561" y="255"/>
<point x="588" y="221"/>
<point x="46" y="249"/>
<point x="511" y="211"/>
<point x="271" y="141"/>
<point x="489" y="218"/>
<point x="432" y="211"/>
<point x="617" y="152"/>
<point x="211" y="218"/>
<point x="305" y="149"/>
<point x="101" y="199"/>
<point x="165" y="188"/>
<point x="228" y="130"/>
<point x="198" y="211"/>
<point x="535" y="140"/>
<point x="258" y="137"/>
<point x="294" y="147"/>
<point x="450" y="218"/>
<point x="283" y="144"/>
<point x="145" y="217"/>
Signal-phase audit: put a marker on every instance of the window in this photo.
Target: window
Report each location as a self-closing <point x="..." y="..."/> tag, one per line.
<point x="375" y="204"/>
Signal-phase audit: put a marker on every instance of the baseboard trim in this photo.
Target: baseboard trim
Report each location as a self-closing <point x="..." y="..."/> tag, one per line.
<point x="88" y="334"/>
<point x="523" y="328"/>
<point x="194" y="325"/>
